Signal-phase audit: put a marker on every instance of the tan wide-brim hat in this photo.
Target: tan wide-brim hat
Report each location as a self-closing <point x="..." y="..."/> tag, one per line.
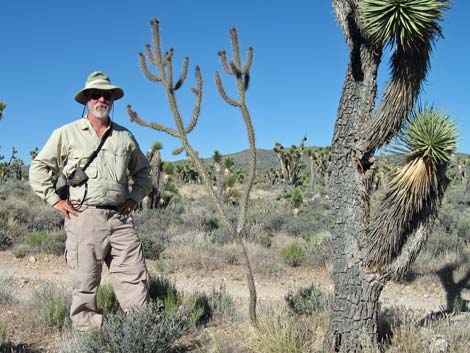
<point x="100" y="81"/>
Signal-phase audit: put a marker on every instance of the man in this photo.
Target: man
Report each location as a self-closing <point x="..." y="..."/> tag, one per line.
<point x="98" y="214"/>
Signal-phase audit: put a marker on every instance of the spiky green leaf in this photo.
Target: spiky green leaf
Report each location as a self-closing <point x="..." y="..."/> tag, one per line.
<point x="401" y="22"/>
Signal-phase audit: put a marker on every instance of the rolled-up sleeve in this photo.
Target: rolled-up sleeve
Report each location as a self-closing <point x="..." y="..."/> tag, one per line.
<point x="44" y="168"/>
<point x="139" y="170"/>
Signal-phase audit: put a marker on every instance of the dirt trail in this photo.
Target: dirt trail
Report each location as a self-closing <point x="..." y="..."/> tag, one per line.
<point x="31" y="272"/>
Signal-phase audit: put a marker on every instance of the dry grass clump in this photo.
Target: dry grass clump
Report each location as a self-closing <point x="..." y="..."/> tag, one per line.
<point x="277" y="332"/>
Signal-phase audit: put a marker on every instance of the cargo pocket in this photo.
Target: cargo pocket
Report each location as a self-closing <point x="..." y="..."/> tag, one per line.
<point x="71" y="254"/>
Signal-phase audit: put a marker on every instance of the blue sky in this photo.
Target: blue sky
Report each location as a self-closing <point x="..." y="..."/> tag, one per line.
<point x="49" y="47"/>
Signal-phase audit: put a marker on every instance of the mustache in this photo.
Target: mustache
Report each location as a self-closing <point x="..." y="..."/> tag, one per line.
<point x="102" y="105"/>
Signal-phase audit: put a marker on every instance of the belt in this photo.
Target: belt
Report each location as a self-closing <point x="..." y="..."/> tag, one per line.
<point x="106" y="207"/>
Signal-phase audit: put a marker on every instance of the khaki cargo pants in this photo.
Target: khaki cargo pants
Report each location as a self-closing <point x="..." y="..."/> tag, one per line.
<point x="100" y="236"/>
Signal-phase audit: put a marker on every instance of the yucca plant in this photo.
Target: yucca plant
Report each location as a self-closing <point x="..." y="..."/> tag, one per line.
<point x="427" y="142"/>
<point x="410" y="27"/>
<point x="406" y="23"/>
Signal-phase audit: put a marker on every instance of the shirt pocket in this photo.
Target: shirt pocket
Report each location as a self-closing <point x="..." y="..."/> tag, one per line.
<point x="120" y="161"/>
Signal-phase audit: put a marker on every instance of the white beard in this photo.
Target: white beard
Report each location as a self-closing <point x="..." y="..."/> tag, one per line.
<point x="101" y="110"/>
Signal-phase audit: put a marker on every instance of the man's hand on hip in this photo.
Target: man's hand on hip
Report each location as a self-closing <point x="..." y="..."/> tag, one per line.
<point x="63" y="207"/>
<point x="127" y="207"/>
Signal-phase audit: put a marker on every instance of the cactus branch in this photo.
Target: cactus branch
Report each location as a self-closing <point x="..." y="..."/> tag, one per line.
<point x="223" y="60"/>
<point x="249" y="61"/>
<point x="135" y="118"/>
<point x="145" y="70"/>
<point x="149" y="53"/>
<point x="222" y="92"/>
<point x="235" y="49"/>
<point x="184" y="73"/>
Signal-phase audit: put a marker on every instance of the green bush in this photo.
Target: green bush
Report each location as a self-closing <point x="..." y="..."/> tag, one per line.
<point x="106" y="299"/>
<point x="308" y="300"/>
<point x="52" y="305"/>
<point x="293" y="254"/>
<point x="297" y="198"/>
<point x="36" y="239"/>
<point x="163" y="290"/>
<point x="221" y="303"/>
<point x="198" y="308"/>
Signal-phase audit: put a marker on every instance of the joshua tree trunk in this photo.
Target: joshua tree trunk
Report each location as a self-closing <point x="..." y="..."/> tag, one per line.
<point x="357" y="291"/>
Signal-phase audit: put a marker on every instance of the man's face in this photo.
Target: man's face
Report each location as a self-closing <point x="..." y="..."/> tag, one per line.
<point x="100" y="103"/>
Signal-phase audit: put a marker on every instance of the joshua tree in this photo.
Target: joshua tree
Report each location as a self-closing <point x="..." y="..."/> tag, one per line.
<point x="320" y="159"/>
<point x="164" y="65"/>
<point x="362" y="263"/>
<point x="291" y="162"/>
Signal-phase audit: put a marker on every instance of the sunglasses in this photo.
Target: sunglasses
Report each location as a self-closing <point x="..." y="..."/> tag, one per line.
<point x="107" y="95"/>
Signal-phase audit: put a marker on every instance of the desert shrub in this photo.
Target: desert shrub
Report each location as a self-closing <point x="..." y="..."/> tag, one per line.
<point x="301" y="225"/>
<point x="308" y="300"/>
<point x="22" y="212"/>
<point x="154" y="243"/>
<point x="106" y="299"/>
<point x="293" y="254"/>
<point x="159" y="266"/>
<point x="221" y="303"/>
<point x="51" y="304"/>
<point x="163" y="290"/>
<point x="272" y="221"/>
<point x="54" y="243"/>
<point x="319" y="248"/>
<point x="264" y="239"/>
<point x="220" y="236"/>
<point x="46" y="241"/>
<point x="277" y="333"/>
<point x="36" y="239"/>
<point x="21" y="250"/>
<point x="148" y="329"/>
<point x="5" y="240"/>
<point x="7" y="294"/>
<point x="198" y="309"/>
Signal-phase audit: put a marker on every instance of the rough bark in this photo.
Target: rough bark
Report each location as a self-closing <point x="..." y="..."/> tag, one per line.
<point x="357" y="289"/>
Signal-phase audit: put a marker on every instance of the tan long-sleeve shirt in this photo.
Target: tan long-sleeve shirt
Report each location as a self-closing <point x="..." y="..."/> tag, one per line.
<point x="119" y="158"/>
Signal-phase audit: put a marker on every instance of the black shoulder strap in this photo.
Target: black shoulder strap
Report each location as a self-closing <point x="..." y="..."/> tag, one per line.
<point x="95" y="152"/>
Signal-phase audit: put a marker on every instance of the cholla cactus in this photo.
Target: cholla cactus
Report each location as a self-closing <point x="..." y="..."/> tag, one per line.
<point x="164" y="66"/>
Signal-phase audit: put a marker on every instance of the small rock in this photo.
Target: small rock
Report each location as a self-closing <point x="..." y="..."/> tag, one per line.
<point x="32" y="259"/>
